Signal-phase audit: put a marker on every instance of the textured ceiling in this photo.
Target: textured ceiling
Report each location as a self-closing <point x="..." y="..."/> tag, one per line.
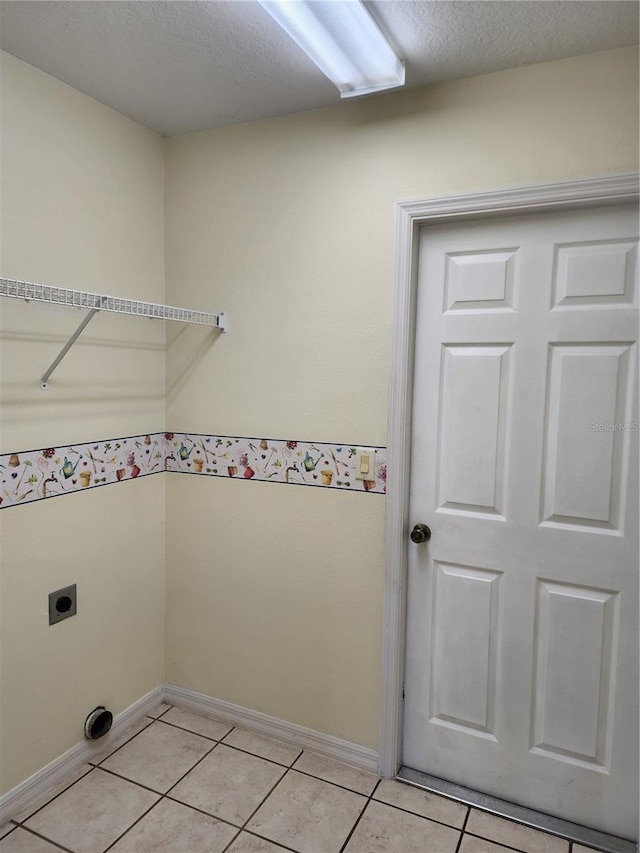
<point x="177" y="65"/>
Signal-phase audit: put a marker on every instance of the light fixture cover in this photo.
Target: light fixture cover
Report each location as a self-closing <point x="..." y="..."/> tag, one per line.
<point x="343" y="40"/>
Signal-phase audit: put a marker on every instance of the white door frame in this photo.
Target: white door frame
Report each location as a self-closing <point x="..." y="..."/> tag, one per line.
<point x="591" y="192"/>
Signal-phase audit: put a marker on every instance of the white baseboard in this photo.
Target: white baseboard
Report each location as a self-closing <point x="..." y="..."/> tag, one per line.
<point x="20" y="797"/>
<point x="331" y="747"/>
<point x="27" y="792"/>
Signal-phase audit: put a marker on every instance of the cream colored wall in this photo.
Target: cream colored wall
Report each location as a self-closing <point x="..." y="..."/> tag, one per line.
<point x="82" y="207"/>
<point x="287" y="224"/>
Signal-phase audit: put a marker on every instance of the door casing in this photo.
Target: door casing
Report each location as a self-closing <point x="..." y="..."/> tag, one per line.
<point x="591" y="192"/>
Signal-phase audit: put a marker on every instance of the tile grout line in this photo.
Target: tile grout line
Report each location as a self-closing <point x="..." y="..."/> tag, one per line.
<point x="240" y="749"/>
<point x="191" y="732"/>
<point x="289" y="767"/>
<point x="231" y="730"/>
<point x="233" y="840"/>
<point x="261" y="757"/>
<point x="199" y="761"/>
<point x="161" y="795"/>
<point x="43" y="837"/>
<point x="462" y="828"/>
<point x="166" y="711"/>
<point x="335" y="784"/>
<point x="127" y="741"/>
<point x="514" y="822"/>
<point x="11" y="830"/>
<point x="243" y="828"/>
<point x="129" y="828"/>
<point x="223" y="741"/>
<point x="255" y="834"/>
<point x="425" y="817"/>
<point x="75" y="781"/>
<point x="55" y="797"/>
<point x="359" y="818"/>
<point x="98" y="766"/>
<point x="515" y="849"/>
<point x="130" y="781"/>
<point x="199" y="810"/>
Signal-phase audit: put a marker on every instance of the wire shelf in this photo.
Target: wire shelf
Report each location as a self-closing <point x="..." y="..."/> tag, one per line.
<point x="94" y="302"/>
<point x="100" y="302"/>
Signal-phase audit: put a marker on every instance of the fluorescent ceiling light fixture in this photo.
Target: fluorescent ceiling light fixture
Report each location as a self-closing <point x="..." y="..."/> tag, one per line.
<point x="343" y="40"/>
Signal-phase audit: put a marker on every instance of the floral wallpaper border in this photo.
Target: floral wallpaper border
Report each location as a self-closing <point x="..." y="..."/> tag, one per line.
<point x="33" y="475"/>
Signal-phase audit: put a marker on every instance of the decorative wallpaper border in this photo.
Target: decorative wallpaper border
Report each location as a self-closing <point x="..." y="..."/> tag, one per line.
<point x="33" y="475"/>
<point x="302" y="463"/>
<point x="38" y="474"/>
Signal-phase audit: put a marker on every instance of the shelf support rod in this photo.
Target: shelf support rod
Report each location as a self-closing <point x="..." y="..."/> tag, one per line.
<point x="44" y="382"/>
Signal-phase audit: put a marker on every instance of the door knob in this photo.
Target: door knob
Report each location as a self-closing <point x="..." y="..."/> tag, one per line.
<point x="420" y="533"/>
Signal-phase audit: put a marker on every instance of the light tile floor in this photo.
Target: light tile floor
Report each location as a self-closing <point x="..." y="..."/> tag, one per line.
<point x="181" y="783"/>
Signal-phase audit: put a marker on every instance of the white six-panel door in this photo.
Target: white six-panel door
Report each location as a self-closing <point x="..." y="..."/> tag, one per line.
<point x="522" y="617"/>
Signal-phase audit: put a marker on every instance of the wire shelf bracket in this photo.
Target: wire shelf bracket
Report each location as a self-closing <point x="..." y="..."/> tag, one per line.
<point x="94" y="302"/>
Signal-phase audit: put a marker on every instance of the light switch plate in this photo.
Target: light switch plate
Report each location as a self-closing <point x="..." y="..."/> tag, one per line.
<point x="365" y="464"/>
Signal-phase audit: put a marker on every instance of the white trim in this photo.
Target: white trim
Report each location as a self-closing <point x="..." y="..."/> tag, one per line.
<point x="612" y="189"/>
<point x="332" y="747"/>
<point x="19" y="798"/>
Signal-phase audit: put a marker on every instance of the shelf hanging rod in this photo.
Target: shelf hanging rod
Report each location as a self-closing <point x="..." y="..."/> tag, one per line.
<point x="95" y="302"/>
